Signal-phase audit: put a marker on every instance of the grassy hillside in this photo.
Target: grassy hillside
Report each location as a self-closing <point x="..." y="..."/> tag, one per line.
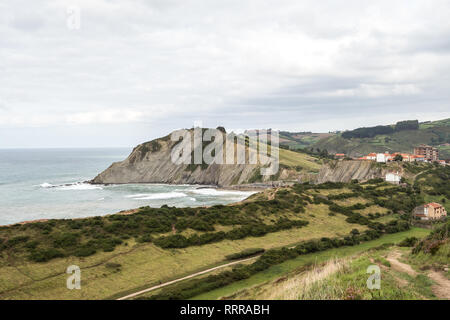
<point x="300" y="161"/>
<point x="418" y="273"/>
<point x="435" y="133"/>
<point x="319" y="275"/>
<point x="120" y="253"/>
<point x="300" y="140"/>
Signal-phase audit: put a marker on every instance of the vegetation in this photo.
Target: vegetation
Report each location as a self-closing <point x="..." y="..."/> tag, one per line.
<point x="402" y="137"/>
<point x="367" y="132"/>
<point x="245" y="253"/>
<point x="188" y="239"/>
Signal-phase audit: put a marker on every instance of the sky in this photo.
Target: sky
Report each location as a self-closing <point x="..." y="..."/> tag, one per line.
<point x="107" y="73"/>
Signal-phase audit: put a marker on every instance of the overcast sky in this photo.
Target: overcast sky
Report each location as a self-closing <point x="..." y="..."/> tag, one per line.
<point x="135" y="70"/>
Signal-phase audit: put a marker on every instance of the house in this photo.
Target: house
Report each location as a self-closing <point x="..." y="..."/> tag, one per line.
<point x="430" y="153"/>
<point x="442" y="162"/>
<point x="370" y="156"/>
<point x="340" y="155"/>
<point x="430" y="211"/>
<point x="419" y="158"/>
<point x="392" y="177"/>
<point x="383" y="157"/>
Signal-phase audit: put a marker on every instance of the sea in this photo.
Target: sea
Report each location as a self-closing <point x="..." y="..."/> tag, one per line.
<point x="51" y="184"/>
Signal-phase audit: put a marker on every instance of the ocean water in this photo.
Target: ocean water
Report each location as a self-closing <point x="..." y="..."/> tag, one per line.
<point x="49" y="183"/>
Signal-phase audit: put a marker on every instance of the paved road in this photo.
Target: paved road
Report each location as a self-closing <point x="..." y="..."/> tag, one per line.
<point x="132" y="295"/>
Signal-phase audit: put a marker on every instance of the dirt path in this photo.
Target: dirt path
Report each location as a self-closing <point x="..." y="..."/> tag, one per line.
<point x="442" y="287"/>
<point x="400" y="266"/>
<point x="184" y="278"/>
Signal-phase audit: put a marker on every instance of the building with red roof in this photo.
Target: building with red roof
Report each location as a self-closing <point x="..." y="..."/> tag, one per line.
<point x="430" y="211"/>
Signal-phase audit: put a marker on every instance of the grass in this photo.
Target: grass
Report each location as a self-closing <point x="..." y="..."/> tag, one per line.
<point x="402" y="141"/>
<point x="305" y="260"/>
<point x="344" y="278"/>
<point x="424" y="261"/>
<point x="141" y="263"/>
<point x="297" y="159"/>
<point x="373" y="209"/>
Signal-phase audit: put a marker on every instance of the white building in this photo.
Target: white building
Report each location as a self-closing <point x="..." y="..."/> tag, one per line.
<point x="393" y="177"/>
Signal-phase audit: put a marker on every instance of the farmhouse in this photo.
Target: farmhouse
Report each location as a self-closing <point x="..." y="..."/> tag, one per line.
<point x="383" y="157"/>
<point x="430" y="211"/>
<point x="392" y="177"/>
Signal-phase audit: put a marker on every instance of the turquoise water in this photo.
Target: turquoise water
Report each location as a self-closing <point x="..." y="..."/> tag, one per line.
<point x="48" y="183"/>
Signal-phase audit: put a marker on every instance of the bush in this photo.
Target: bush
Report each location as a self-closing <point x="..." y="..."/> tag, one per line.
<point x="44" y="255"/>
<point x="16" y="240"/>
<point x="245" y="253"/>
<point x="408" y="242"/>
<point x="145" y="238"/>
<point x="112" y="265"/>
<point x="66" y="240"/>
<point x="84" y="251"/>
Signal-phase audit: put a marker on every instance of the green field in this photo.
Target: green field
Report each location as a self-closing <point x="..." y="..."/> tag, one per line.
<point x="307" y="260"/>
<point x="436" y="133"/>
<point x="295" y="159"/>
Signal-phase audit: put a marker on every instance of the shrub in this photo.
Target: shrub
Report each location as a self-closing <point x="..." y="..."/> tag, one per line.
<point x="66" y="240"/>
<point x="44" y="255"/>
<point x="16" y="240"/>
<point x="145" y="238"/>
<point x="245" y="253"/>
<point x="84" y="251"/>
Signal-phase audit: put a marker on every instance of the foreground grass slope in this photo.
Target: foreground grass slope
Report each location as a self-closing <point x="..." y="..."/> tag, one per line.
<point x="120" y="253"/>
<point x="410" y="269"/>
<point x="289" y="279"/>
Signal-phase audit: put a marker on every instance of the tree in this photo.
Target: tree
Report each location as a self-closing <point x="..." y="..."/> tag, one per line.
<point x="398" y="157"/>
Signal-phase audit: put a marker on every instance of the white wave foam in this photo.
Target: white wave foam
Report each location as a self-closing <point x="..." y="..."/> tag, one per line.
<point x="71" y="186"/>
<point x="46" y="185"/>
<point x="157" y="196"/>
<point x="215" y="192"/>
<point x="79" y="186"/>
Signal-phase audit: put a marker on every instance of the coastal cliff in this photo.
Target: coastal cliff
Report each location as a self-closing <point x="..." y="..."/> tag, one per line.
<point x="150" y="162"/>
<point x="345" y="171"/>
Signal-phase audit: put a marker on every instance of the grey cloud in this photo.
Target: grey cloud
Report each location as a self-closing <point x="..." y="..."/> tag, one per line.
<point x="165" y="64"/>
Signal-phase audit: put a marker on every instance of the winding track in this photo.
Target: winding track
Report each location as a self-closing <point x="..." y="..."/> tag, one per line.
<point x="132" y="295"/>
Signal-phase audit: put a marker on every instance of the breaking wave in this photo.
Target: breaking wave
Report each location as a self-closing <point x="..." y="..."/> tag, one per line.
<point x="157" y="196"/>
<point x="215" y="192"/>
<point x="71" y="186"/>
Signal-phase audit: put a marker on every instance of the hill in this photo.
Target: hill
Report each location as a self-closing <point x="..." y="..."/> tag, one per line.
<point x="435" y="133"/>
<point x="124" y="252"/>
<point x="401" y="137"/>
<point x="301" y="140"/>
<point x="418" y="273"/>
<point x="151" y="162"/>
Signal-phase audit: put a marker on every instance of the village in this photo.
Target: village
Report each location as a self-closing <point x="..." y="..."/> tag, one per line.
<point x="422" y="153"/>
